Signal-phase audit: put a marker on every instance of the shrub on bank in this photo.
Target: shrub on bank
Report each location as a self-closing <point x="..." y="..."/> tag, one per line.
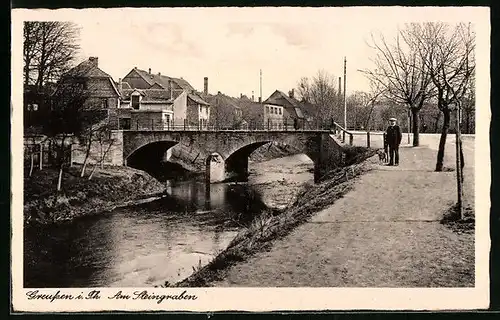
<point x="109" y="187"/>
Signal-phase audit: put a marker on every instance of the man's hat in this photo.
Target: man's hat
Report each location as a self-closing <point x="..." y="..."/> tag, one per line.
<point x="392" y="119"/>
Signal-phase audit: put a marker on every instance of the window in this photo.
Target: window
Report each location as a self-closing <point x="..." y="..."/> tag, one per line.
<point x="135" y="102"/>
<point x="279" y="110"/>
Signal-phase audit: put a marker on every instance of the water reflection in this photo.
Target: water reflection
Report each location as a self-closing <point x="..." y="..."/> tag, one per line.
<point x="143" y="245"/>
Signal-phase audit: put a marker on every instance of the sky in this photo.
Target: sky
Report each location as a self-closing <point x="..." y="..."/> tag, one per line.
<point x="231" y="45"/>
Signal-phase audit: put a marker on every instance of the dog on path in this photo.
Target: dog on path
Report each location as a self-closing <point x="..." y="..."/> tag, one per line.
<point x="382" y="156"/>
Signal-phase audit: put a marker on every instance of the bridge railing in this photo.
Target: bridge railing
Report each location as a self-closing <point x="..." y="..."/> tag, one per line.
<point x="341" y="132"/>
<point x="285" y="124"/>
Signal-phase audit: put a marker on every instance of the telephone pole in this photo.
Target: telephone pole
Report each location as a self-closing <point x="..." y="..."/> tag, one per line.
<point x="260" y="99"/>
<point x="458" y="146"/>
<point x="345" y="101"/>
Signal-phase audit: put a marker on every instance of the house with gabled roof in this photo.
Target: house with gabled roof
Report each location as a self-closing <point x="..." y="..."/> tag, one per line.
<point x="141" y="79"/>
<point x="181" y="106"/>
<point x="98" y="84"/>
<point x="149" y="109"/>
<point x="298" y="112"/>
<point x="101" y="91"/>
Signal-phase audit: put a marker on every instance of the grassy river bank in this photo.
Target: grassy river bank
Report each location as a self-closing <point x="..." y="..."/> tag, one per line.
<point x="109" y="188"/>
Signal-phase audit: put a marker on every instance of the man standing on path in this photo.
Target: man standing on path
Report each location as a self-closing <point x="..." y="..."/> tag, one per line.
<point x="393" y="137"/>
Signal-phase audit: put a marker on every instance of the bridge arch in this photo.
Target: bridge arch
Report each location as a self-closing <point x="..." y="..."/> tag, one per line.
<point x="150" y="156"/>
<point x="237" y="159"/>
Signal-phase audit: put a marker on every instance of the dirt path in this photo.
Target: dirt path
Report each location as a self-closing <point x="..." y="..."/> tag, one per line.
<point x="386" y="232"/>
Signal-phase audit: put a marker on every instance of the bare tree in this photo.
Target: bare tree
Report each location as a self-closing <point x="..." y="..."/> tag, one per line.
<point x="321" y="92"/>
<point x="72" y="114"/>
<point x="325" y="96"/>
<point x="400" y="70"/>
<point x="95" y="126"/>
<point x="50" y="48"/>
<point x="469" y="108"/>
<point x="64" y="121"/>
<point x="369" y="100"/>
<point x="448" y="54"/>
<point x="105" y="140"/>
<point x="304" y="89"/>
<point x="225" y="112"/>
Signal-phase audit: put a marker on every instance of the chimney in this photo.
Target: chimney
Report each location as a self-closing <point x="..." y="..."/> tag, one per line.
<point x="253" y="97"/>
<point x="120" y="83"/>
<point x="149" y="70"/>
<point x="94" y="61"/>
<point x="291" y="93"/>
<point x="205" y="85"/>
<point x="159" y="73"/>
<point x="260" y="99"/>
<point x="241" y="95"/>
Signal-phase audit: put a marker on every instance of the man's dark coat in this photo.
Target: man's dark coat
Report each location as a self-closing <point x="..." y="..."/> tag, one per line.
<point x="393" y="136"/>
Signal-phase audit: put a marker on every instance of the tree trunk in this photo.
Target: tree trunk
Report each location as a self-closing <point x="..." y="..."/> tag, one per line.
<point x="459" y="159"/>
<point x="59" y="179"/>
<point x="87" y="154"/>
<point x="102" y="154"/>
<point x="61" y="163"/>
<point x="436" y="124"/>
<point x="41" y="156"/>
<point x="462" y="160"/>
<point x="442" y="141"/>
<point x="416" y="126"/>
<point x="32" y="158"/>
<point x="92" y="172"/>
<point x="84" y="166"/>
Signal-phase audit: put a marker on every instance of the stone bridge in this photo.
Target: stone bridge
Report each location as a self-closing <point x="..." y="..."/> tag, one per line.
<point x="225" y="153"/>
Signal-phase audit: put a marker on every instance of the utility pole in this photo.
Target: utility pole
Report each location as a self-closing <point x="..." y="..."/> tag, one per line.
<point x="345" y="101"/>
<point x="458" y="146"/>
<point x="260" y="85"/>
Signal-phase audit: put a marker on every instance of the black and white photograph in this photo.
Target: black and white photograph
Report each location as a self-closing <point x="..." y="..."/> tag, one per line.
<point x="260" y="159"/>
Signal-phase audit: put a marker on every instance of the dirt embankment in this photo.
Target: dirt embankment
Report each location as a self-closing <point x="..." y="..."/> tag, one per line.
<point x="109" y="188"/>
<point x="272" y="150"/>
<point x="274" y="224"/>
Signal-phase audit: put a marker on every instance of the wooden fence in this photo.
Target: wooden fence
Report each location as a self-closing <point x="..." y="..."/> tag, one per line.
<point x="45" y="155"/>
